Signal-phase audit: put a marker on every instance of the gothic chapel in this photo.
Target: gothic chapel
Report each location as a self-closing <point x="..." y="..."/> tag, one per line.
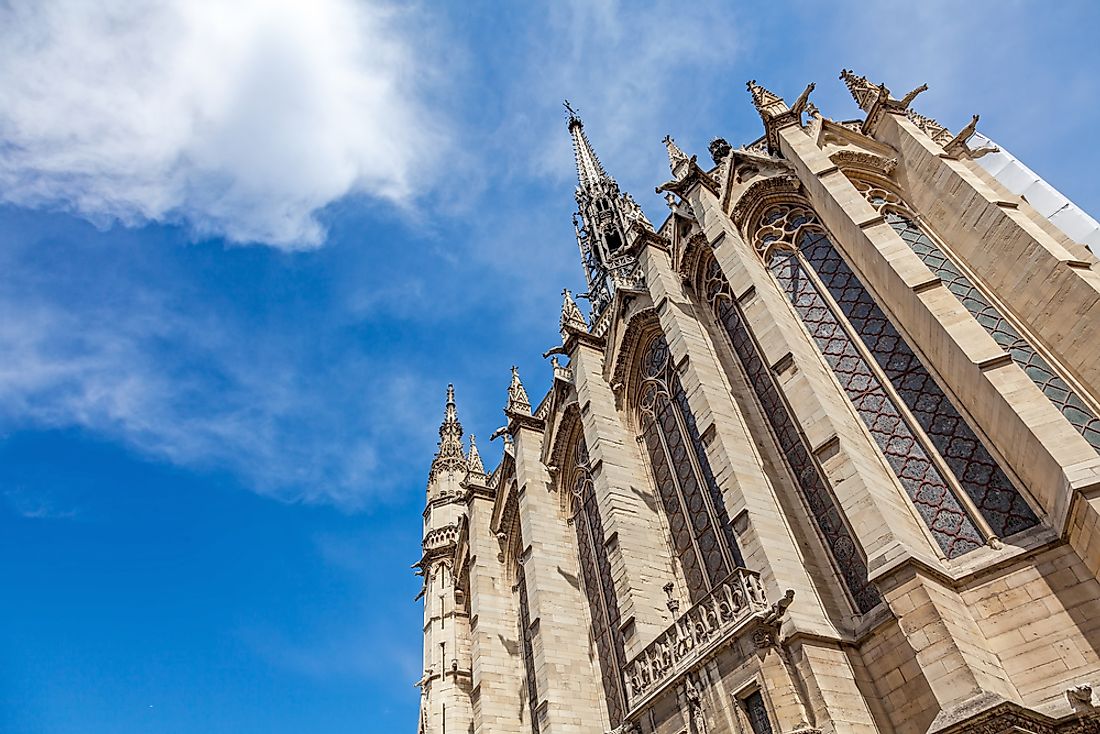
<point x="823" y="457"/>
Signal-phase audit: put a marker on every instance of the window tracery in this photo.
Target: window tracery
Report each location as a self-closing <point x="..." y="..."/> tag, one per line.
<point x="902" y="219"/>
<point x="848" y="557"/>
<point x="702" y="536"/>
<point x="599" y="584"/>
<point x="795" y="245"/>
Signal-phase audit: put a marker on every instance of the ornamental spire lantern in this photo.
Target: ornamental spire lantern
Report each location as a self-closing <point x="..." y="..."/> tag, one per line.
<point x="607" y="224"/>
<point x="450" y="457"/>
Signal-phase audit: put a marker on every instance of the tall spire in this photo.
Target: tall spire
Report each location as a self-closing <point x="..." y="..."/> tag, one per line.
<point x="589" y="169"/>
<point x="518" y="402"/>
<point x="606" y="223"/>
<point x="450" y="455"/>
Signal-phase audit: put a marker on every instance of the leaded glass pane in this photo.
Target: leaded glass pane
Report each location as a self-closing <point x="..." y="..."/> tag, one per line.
<point x="702" y="536"/>
<point x="941" y="511"/>
<point x="823" y="509"/>
<point x="757" y="713"/>
<point x="1056" y="389"/>
<point x="528" y="651"/>
<point x="978" y="474"/>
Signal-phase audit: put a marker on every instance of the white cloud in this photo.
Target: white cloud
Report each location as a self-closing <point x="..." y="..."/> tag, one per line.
<point x="198" y="390"/>
<point x="239" y="118"/>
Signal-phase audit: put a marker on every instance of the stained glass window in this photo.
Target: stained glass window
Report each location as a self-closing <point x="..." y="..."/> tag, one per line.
<point x="1056" y="389"/>
<point x="757" y="713"/>
<point x="599" y="585"/>
<point x="976" y="472"/>
<point x="702" y="536"/>
<point x="848" y="557"/>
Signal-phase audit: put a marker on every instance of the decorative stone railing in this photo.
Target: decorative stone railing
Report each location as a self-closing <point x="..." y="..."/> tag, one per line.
<point x="695" y="633"/>
<point x="440" y="537"/>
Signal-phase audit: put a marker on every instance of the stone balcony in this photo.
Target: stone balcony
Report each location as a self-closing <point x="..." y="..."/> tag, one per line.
<point x="698" y="632"/>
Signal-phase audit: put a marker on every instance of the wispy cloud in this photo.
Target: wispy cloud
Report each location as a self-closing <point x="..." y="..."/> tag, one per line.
<point x="162" y="370"/>
<point x="240" y="119"/>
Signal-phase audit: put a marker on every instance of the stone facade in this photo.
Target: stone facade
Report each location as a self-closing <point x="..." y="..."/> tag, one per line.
<point x="825" y="457"/>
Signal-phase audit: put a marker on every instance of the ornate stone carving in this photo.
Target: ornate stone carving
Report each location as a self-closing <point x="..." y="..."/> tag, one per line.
<point x="473" y="459"/>
<point x="714" y="621"/>
<point x="450" y="456"/>
<point x="518" y="402"/>
<point x="675" y="155"/>
<point x="719" y="149"/>
<point x="774" y="112"/>
<point x="571" y="316"/>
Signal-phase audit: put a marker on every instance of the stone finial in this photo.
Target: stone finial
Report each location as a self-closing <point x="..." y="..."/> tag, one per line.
<point x="450" y="455"/>
<point x="518" y="402"/>
<point x="675" y="155"/>
<point x="571" y="316"/>
<point x="473" y="459"/>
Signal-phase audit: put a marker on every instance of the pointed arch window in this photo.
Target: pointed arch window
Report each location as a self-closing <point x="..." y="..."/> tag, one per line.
<point x="848" y="558"/>
<point x="702" y="536"/>
<point x="1063" y="397"/>
<point x="920" y="432"/>
<point x="599" y="585"/>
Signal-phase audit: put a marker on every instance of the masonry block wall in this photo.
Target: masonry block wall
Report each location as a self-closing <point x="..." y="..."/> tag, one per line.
<point x="833" y="434"/>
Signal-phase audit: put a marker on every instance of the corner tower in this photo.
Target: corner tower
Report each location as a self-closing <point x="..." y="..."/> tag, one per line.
<point x="445" y="687"/>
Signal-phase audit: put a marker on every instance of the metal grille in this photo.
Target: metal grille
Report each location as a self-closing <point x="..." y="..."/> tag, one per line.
<point x="757" y="713"/>
<point x="976" y="471"/>
<point x="701" y="533"/>
<point x="1060" y="394"/>
<point x="941" y="511"/>
<point x="528" y="651"/>
<point x="599" y="585"/>
<point x="848" y="557"/>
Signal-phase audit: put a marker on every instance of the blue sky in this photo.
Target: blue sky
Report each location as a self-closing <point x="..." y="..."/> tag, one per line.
<point x="245" y="245"/>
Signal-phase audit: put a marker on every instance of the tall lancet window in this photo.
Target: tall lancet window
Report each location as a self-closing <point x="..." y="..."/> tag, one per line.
<point x="1056" y="389"/>
<point x="847" y="556"/>
<point x="930" y="447"/>
<point x="599" y="585"/>
<point x="702" y="536"/>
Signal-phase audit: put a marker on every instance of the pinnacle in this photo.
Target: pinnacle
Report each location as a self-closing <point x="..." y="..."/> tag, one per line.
<point x="450" y="455"/>
<point x="761" y="96"/>
<point x="675" y="155"/>
<point x="473" y="459"/>
<point x="518" y="402"/>
<point x="571" y="315"/>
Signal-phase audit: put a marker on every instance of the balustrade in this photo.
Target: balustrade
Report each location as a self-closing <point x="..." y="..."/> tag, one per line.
<point x="694" y="633"/>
